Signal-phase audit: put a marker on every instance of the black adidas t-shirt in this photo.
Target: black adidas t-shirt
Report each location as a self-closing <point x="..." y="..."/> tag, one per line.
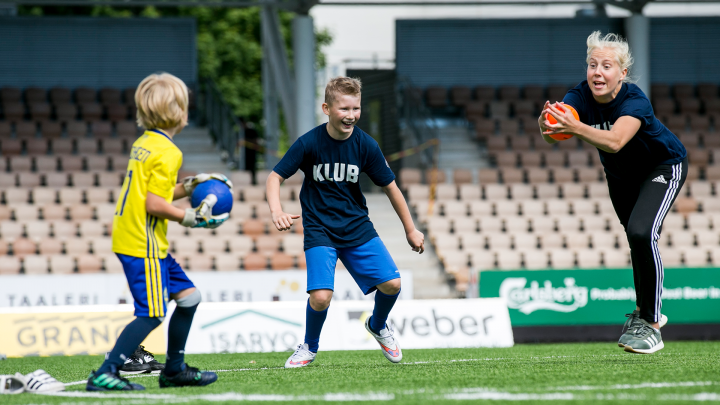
<point x="334" y="209"/>
<point x="651" y="146"/>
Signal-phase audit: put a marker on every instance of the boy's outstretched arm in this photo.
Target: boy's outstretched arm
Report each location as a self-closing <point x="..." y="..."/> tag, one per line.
<point x="415" y="238"/>
<point x="282" y="221"/>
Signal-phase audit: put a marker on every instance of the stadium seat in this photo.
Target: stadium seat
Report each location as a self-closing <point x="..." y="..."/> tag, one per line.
<point x="490" y="225"/>
<point x="20" y="163"/>
<point x="65" y="147"/>
<point x="672" y="257"/>
<point x="89" y="264"/>
<point x="117" y="112"/>
<point x="525" y="241"/>
<point x="77" y="246"/>
<point x="199" y="262"/>
<point x="482" y="260"/>
<point x="582" y="207"/>
<point x="66" y="112"/>
<point x="111" y="180"/>
<point x="576" y="240"/>
<point x="495" y="192"/>
<point x="542" y="225"/>
<point x="111" y="264"/>
<point x="615" y="258"/>
<point x="186" y="246"/>
<point x="5" y="213"/>
<point x="36" y="147"/>
<point x="588" y="258"/>
<point x="436" y="97"/>
<point x="50" y="246"/>
<point x="531" y="208"/>
<point x="24" y="213"/>
<point x="557" y="207"/>
<point x="100" y="129"/>
<point x="46" y="164"/>
<point x="227" y="262"/>
<point x="35" y="264"/>
<point x="10" y="230"/>
<point x="40" y="111"/>
<point x="76" y="129"/>
<point x="460" y="96"/>
<point x="480" y="208"/>
<point x="29" y="180"/>
<point x="594" y="223"/>
<point x="255" y="261"/>
<point x="61" y="264"/>
<point x="546" y="191"/>
<point x="68" y="195"/>
<point x="473" y="241"/>
<point x="53" y="212"/>
<point x="562" y="259"/>
<point x="13" y="111"/>
<point x="693" y="256"/>
<point x="240" y="244"/>
<point x="281" y="261"/>
<point x="603" y="240"/>
<point x="9" y="265"/>
<point x="82" y="179"/>
<point x="86" y="146"/>
<point x="101" y="246"/>
<point x="129" y="129"/>
<point x="534" y="259"/>
<point x="507" y="208"/>
<point x="707" y="238"/>
<point x="454" y="208"/>
<point x="22" y="247"/>
<point x="508" y="259"/>
<point x="462" y="176"/>
<point x="5" y="129"/>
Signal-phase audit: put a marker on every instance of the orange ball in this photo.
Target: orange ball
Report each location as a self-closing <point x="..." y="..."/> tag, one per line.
<point x="552" y="120"/>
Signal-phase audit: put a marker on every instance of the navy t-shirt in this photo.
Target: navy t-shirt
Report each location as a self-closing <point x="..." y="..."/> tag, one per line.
<point x="651" y="146"/>
<point x="333" y="206"/>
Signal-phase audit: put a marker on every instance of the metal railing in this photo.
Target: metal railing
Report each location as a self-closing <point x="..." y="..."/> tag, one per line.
<point x="224" y="126"/>
<point x="415" y="117"/>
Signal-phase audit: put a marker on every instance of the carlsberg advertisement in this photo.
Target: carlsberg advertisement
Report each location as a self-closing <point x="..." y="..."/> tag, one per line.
<point x="599" y="297"/>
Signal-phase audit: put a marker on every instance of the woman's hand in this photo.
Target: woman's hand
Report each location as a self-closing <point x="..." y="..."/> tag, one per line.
<point x="566" y="122"/>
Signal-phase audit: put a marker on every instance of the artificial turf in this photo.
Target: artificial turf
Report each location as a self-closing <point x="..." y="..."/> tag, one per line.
<point x="683" y="372"/>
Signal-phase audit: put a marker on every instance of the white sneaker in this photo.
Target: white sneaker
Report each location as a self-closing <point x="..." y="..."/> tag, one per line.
<point x="41" y="381"/>
<point x="12" y="384"/>
<point x="389" y="345"/>
<point x="663" y="321"/>
<point x="301" y="358"/>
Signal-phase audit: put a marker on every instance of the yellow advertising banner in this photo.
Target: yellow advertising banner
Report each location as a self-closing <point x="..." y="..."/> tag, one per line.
<point x="69" y="330"/>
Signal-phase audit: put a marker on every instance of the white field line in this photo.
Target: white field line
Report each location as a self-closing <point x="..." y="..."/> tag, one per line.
<point x="635" y="386"/>
<point x="230" y="396"/>
<point x="155" y="375"/>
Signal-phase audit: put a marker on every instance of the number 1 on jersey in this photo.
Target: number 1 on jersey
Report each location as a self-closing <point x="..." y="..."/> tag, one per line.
<point x="129" y="181"/>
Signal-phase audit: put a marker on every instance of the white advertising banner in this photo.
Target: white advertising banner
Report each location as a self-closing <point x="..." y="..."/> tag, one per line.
<point x="111" y="289"/>
<point x="280" y="326"/>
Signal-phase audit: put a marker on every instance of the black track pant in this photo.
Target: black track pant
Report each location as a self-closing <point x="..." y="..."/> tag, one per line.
<point x="642" y="205"/>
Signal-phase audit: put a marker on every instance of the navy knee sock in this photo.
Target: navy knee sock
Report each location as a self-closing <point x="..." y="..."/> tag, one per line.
<point x="383" y="305"/>
<point x="178" y="331"/>
<point x="130" y="338"/>
<point x="314" y="321"/>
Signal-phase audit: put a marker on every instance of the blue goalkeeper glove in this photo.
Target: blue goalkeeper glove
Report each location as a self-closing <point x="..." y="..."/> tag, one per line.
<point x="201" y="217"/>
<point x="189" y="183"/>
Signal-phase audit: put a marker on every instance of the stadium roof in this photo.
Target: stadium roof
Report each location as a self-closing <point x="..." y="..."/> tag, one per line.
<point x="304" y="5"/>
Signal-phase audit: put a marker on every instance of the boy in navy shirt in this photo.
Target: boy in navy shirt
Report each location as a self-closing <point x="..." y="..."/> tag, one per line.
<point x="335" y="217"/>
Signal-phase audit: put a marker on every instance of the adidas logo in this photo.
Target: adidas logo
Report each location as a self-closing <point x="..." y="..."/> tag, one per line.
<point x="660" y="179"/>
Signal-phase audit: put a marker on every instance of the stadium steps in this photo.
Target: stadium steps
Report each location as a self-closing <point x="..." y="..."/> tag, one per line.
<point x="199" y="153"/>
<point x="458" y="150"/>
<point x="428" y="277"/>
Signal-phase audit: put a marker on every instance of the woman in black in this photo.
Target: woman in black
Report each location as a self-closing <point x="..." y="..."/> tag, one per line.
<point x="645" y="165"/>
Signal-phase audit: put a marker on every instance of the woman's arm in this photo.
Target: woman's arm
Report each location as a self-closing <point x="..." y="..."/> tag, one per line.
<point x="414" y="237"/>
<point x="611" y="141"/>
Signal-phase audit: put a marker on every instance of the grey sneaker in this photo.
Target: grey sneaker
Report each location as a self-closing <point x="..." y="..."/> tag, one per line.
<point x="632" y="323"/>
<point x="645" y="340"/>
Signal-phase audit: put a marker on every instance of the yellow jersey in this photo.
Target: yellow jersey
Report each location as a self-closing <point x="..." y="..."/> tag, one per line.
<point x="154" y="164"/>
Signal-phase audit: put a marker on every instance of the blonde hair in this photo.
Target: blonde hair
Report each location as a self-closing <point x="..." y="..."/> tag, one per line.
<point x="162" y="102"/>
<point x="618" y="44"/>
<point x="342" y="86"/>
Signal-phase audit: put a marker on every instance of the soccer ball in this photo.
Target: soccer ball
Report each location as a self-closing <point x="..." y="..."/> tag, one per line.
<point x="222" y="192"/>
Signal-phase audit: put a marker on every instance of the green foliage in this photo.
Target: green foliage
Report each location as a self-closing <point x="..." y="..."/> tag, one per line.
<point x="228" y="44"/>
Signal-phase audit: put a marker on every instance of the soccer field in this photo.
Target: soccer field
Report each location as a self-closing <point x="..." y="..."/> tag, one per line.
<point x="572" y="373"/>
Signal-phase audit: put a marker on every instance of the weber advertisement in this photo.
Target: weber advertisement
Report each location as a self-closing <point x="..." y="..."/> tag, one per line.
<point x="599" y="297"/>
<point x="280" y="326"/>
<point x="112" y="289"/>
<point x="257" y="327"/>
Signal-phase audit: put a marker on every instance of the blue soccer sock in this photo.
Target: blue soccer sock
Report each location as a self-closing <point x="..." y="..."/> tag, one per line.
<point x="129" y="340"/>
<point x="314" y="321"/>
<point x="383" y="304"/>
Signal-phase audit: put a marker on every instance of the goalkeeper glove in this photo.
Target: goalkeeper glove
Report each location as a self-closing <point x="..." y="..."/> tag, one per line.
<point x="189" y="183"/>
<point x="201" y="217"/>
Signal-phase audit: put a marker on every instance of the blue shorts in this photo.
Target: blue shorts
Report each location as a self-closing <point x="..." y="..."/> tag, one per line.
<point x="369" y="264"/>
<point x="151" y="281"/>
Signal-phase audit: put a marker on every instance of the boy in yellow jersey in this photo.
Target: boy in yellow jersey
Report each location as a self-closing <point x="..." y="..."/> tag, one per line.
<point x="140" y="242"/>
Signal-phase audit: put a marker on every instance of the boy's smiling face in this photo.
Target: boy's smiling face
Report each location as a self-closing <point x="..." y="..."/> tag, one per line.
<point x="343" y="113"/>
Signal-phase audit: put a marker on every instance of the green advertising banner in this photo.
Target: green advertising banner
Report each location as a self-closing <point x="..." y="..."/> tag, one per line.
<point x="599" y="297"/>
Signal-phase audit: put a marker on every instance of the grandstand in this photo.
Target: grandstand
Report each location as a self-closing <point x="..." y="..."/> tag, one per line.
<point x="547" y="206"/>
<point x="64" y="155"/>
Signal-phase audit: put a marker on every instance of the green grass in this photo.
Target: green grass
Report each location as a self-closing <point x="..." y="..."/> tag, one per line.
<point x="567" y="373"/>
